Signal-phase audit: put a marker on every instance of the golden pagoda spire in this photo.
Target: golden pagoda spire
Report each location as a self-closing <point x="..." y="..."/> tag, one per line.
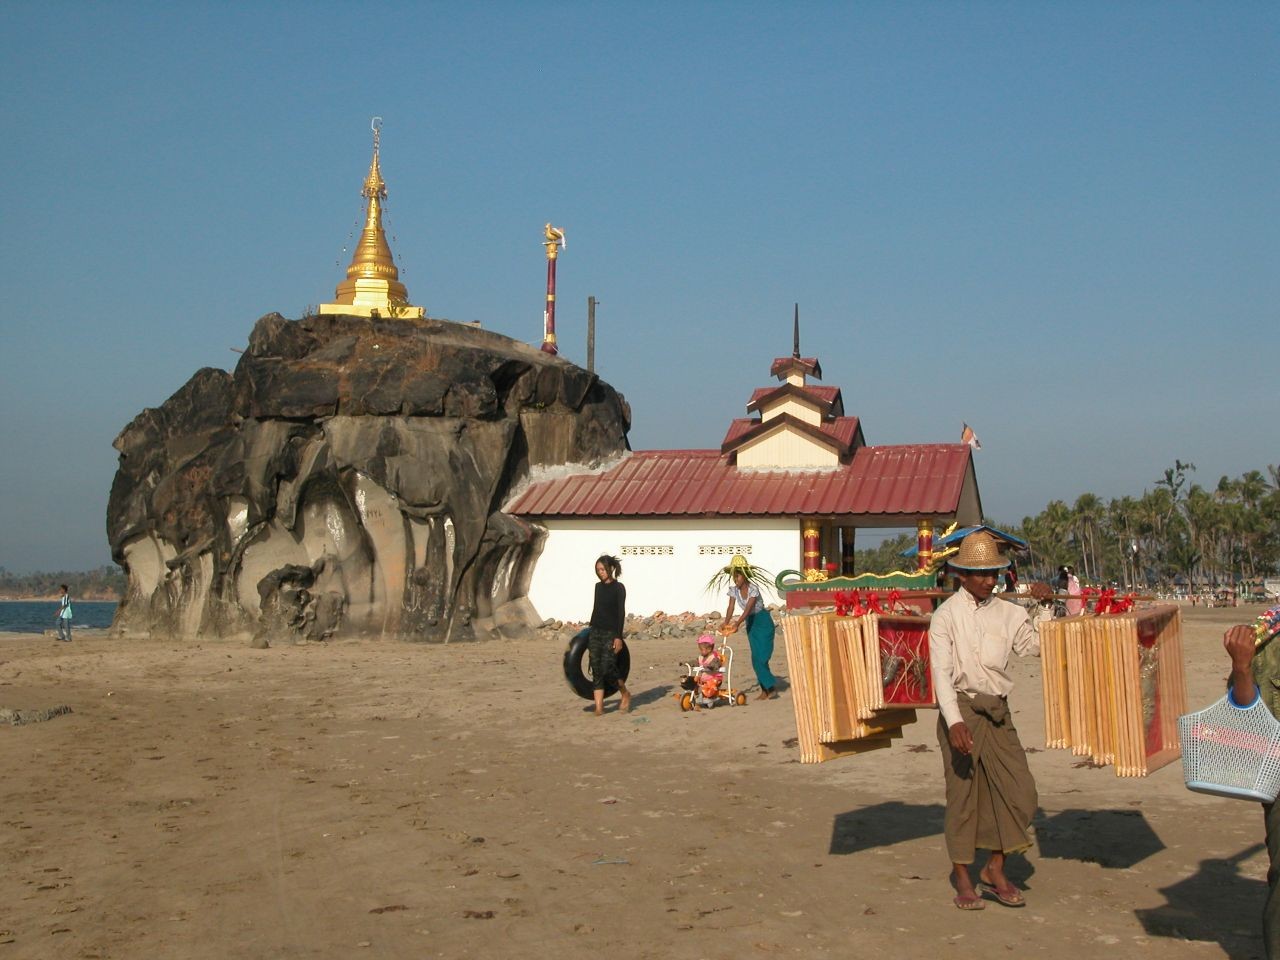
<point x="373" y="287"/>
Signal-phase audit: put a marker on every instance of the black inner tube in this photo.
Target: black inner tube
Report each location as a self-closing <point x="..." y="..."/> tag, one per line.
<point x="575" y="656"/>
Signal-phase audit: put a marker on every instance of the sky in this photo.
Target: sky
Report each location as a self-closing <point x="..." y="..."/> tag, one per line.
<point x="1057" y="222"/>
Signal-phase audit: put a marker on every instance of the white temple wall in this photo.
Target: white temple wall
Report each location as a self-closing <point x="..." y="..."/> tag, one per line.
<point x="665" y="563"/>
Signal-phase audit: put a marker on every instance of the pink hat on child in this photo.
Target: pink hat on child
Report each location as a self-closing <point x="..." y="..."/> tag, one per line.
<point x="706" y="638"/>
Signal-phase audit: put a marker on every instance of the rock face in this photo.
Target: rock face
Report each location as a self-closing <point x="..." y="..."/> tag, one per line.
<point x="346" y="480"/>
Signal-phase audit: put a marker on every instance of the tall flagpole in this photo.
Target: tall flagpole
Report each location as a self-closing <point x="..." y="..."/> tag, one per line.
<point x="554" y="242"/>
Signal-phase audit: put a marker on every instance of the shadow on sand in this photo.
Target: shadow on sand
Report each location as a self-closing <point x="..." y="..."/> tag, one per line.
<point x="652" y="695"/>
<point x="883" y="825"/>
<point x="1113" y="839"/>
<point x="1216" y="905"/>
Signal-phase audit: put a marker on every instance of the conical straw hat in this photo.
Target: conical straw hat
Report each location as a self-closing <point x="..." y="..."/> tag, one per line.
<point x="979" y="551"/>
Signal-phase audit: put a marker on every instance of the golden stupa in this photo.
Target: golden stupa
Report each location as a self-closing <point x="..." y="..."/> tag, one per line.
<point x="372" y="287"/>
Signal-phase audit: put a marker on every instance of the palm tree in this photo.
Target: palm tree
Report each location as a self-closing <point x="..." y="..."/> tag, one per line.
<point x="1052" y="533"/>
<point x="1202" y="514"/>
<point x="1122" y="516"/>
<point x="1086" y="517"/>
<point x="1251" y="489"/>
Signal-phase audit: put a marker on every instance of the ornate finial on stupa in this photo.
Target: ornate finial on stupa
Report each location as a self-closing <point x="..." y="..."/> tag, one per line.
<point x="795" y="337"/>
<point x="373" y="287"/>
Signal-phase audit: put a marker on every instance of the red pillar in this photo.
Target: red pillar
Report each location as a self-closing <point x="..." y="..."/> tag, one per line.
<point x="924" y="544"/>
<point x="811" y="567"/>
<point x="555" y="240"/>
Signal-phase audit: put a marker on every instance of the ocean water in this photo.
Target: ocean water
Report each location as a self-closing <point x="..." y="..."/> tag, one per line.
<point x="37" y="616"/>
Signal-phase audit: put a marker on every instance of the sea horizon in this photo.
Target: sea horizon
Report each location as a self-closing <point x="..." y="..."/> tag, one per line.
<point x="37" y="616"/>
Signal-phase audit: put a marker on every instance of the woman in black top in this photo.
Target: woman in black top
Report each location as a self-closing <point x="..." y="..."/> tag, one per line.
<point x="604" y="641"/>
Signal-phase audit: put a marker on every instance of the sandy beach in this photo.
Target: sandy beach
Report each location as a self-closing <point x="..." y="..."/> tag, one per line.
<point x="205" y="800"/>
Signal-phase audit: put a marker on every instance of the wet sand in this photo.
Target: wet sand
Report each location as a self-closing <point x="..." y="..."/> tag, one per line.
<point x="208" y="800"/>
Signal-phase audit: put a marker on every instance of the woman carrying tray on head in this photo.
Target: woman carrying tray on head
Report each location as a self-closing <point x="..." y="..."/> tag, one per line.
<point x="744" y="594"/>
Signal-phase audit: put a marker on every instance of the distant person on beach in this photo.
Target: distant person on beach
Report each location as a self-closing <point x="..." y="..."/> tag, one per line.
<point x="744" y="595"/>
<point x="991" y="795"/>
<point x="1254" y="650"/>
<point x="1069" y="584"/>
<point x="1011" y="579"/>
<point x="604" y="641"/>
<point x="64" y="615"/>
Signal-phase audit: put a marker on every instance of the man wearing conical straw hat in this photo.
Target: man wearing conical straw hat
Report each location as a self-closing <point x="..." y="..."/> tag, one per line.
<point x="991" y="796"/>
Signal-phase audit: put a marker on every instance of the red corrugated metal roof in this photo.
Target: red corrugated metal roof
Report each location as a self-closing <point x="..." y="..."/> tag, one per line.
<point x="781" y="366"/>
<point x="824" y="394"/>
<point x="914" y="479"/>
<point x="842" y="430"/>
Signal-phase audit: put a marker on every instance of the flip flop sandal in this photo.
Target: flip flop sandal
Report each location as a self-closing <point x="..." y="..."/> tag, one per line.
<point x="1007" y="900"/>
<point x="969" y="903"/>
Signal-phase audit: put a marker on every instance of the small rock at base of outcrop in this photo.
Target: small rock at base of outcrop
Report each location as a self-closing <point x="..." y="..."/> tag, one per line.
<point x="17" y="718"/>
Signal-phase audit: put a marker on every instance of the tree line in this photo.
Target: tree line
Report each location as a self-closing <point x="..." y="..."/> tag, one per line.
<point x="104" y="583"/>
<point x="1178" y="531"/>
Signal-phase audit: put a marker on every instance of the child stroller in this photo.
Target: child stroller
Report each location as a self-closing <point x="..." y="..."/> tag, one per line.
<point x="701" y="688"/>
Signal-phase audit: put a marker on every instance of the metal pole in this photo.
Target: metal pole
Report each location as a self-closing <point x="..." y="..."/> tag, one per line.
<point x="591" y="334"/>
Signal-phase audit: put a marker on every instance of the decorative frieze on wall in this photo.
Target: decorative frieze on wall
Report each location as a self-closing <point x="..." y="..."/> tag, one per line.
<point x="704" y="550"/>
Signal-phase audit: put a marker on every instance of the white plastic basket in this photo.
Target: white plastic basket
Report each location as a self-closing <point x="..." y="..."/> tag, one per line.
<point x="1232" y="751"/>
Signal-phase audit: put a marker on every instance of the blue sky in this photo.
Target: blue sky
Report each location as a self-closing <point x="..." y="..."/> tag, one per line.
<point x="1059" y="222"/>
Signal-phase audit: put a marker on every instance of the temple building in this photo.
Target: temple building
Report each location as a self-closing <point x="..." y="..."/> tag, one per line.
<point x="787" y="489"/>
<point x="373" y="287"/>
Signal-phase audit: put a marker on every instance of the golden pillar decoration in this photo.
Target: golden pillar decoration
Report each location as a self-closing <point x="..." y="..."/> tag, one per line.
<point x="811" y="567"/>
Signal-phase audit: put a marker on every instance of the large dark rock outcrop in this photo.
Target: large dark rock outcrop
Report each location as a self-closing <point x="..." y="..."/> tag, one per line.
<point x="347" y="480"/>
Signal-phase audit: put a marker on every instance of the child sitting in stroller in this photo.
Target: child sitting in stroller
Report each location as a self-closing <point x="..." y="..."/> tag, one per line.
<point x="707" y="680"/>
<point x="708" y="671"/>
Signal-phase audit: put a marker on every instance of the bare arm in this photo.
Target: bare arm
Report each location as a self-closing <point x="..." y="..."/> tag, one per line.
<point x="1240" y="645"/>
